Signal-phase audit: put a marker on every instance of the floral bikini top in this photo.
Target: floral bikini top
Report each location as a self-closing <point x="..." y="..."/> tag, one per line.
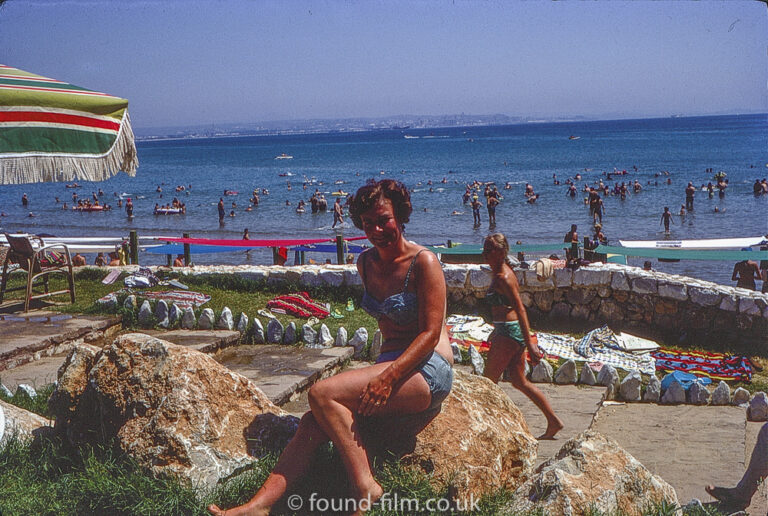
<point x="402" y="308"/>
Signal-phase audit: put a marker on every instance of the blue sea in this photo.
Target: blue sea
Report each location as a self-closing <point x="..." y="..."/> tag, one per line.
<point x="516" y="154"/>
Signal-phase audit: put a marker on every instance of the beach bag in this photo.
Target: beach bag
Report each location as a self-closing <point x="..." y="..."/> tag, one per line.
<point x="143" y="278"/>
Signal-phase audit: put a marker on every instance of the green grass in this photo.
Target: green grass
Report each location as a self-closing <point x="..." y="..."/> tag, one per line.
<point x="38" y="404"/>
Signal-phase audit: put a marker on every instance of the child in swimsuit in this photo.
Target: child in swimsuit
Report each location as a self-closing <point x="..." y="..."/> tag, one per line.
<point x="511" y="335"/>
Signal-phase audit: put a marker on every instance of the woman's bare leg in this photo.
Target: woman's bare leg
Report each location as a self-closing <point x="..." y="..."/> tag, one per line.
<point x="740" y="497"/>
<point x="334" y="403"/>
<point x="507" y="354"/>
<point x="291" y="465"/>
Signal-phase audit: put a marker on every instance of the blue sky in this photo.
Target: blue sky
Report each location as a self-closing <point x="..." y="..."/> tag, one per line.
<point x="201" y="62"/>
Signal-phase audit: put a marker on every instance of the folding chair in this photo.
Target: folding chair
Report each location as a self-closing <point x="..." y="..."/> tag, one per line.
<point x="37" y="260"/>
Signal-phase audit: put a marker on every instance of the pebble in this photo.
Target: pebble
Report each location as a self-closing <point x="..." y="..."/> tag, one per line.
<point x="206" y="319"/>
<point x="324" y="337"/>
<point x="226" y="322"/>
<point x="587" y="376"/>
<point x="274" y="332"/>
<point x="675" y="394"/>
<point x="375" y="351"/>
<point x="629" y="390"/>
<point x="566" y="373"/>
<point x="258" y="332"/>
<point x="242" y="324"/>
<point x="161" y="314"/>
<point x="289" y="335"/>
<point x="698" y="394"/>
<point x="478" y="365"/>
<point x="188" y="321"/>
<point x="175" y="315"/>
<point x="653" y="391"/>
<point x="359" y="341"/>
<point x="26" y="390"/>
<point x="722" y="394"/>
<point x="341" y="337"/>
<point x="758" y="407"/>
<point x="542" y="372"/>
<point x="740" y="396"/>
<point x="145" y="315"/>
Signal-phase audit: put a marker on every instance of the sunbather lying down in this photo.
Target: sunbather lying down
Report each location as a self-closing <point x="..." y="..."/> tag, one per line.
<point x="738" y="498"/>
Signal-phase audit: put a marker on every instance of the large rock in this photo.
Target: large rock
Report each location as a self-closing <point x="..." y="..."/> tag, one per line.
<point x="242" y="324"/>
<point x="591" y="472"/>
<point x="587" y="376"/>
<point x="173" y="409"/>
<point x="375" y="351"/>
<point x="290" y="336"/>
<point x="21" y="423"/>
<point x="758" y="407"/>
<point x="566" y="373"/>
<point x="630" y="386"/>
<point x="542" y="373"/>
<point x="479" y="442"/>
<point x="740" y="396"/>
<point x="175" y="315"/>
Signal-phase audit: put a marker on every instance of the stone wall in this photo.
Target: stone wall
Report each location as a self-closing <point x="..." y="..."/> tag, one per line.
<point x="664" y="307"/>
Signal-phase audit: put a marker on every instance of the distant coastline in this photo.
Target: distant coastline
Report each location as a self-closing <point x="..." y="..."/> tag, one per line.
<point x="362" y="125"/>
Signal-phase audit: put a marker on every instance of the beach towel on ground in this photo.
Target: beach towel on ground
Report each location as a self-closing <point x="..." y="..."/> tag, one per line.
<point x="717" y="366"/>
<point x="567" y="347"/>
<point x="684" y="379"/>
<point x="469" y="330"/>
<point x="182" y="298"/>
<point x="298" y="304"/>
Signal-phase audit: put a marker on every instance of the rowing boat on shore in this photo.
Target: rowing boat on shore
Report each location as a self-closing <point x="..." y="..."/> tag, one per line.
<point x="711" y="243"/>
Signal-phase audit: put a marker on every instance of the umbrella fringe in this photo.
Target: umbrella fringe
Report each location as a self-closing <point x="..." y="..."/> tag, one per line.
<point x="52" y="168"/>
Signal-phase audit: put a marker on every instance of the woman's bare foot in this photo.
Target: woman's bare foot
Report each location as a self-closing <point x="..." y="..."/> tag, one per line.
<point x="368" y="498"/>
<point x="242" y="510"/>
<point x="728" y="497"/>
<point x="552" y="428"/>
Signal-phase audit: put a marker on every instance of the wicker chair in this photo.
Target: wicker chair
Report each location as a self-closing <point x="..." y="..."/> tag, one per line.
<point x="29" y="251"/>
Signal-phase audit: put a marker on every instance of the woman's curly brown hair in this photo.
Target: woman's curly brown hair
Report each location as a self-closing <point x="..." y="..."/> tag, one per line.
<point x="373" y="191"/>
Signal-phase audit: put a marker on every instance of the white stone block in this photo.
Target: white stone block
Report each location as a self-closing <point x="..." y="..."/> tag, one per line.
<point x="748" y="306"/>
<point x="563" y="277"/>
<point x="677" y="291"/>
<point x="532" y="281"/>
<point x="592" y="277"/>
<point x="333" y="278"/>
<point x="352" y="278"/>
<point x="479" y="279"/>
<point x="619" y="281"/>
<point x="644" y="285"/>
<point x="704" y="296"/>
<point x="455" y="276"/>
<point x="310" y="278"/>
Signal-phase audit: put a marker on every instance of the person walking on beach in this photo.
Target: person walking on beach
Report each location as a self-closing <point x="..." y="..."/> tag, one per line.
<point x="338" y="212"/>
<point x="511" y="335"/>
<point x="746" y="272"/>
<point x="411" y="377"/>
<point x="736" y="499"/>
<point x="690" y="191"/>
<point x="222" y="211"/>
<point x="666" y="218"/>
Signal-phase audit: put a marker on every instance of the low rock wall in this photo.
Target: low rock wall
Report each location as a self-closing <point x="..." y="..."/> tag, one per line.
<point x="664" y="307"/>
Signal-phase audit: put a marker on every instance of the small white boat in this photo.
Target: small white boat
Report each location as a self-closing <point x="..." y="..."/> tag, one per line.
<point x="283" y="156"/>
<point x="574" y="137"/>
<point x="711" y="243"/>
<point x="409" y="137"/>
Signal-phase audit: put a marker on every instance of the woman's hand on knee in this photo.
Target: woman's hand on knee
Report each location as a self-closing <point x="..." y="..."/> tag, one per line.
<point x="375" y="395"/>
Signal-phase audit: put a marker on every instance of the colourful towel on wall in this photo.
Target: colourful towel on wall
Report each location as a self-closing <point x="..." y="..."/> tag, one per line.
<point x="717" y="366"/>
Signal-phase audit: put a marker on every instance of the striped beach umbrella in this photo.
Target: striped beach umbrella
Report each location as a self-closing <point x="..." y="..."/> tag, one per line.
<point x="54" y="131"/>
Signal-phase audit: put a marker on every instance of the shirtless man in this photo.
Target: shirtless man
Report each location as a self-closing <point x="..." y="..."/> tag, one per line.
<point x="666" y="218"/>
<point x="690" y="190"/>
<point x="745" y="273"/>
<point x="78" y="260"/>
<point x="338" y="212"/>
<point x="572" y="238"/>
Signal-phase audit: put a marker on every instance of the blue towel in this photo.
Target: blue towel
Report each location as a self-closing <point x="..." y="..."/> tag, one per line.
<point x="684" y="379"/>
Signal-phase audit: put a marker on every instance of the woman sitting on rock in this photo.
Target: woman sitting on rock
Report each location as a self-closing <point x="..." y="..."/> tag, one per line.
<point x="405" y="290"/>
<point x="512" y="333"/>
